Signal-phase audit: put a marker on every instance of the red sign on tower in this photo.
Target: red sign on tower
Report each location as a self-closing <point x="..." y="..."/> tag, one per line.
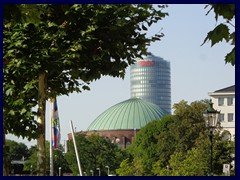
<point x="146" y="63"/>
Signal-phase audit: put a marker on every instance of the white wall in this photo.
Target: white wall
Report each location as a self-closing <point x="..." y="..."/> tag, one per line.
<point x="225" y="109"/>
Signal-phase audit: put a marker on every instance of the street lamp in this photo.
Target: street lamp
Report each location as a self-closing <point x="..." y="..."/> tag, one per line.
<point x="91" y="172"/>
<point x="59" y="171"/>
<point x="167" y="170"/>
<point x="99" y="171"/>
<point x="108" y="169"/>
<point x="31" y="169"/>
<point x="211" y="117"/>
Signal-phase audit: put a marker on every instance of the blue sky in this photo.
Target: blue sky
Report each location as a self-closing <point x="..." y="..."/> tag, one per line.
<point x="195" y="69"/>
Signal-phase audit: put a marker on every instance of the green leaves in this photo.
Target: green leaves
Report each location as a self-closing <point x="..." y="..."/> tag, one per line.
<point x="176" y="145"/>
<point x="58" y="160"/>
<point x="9" y="92"/>
<point x="222" y="31"/>
<point x="95" y="152"/>
<point x="218" y="34"/>
<point x="227" y="11"/>
<point x="74" y="45"/>
<point x="230" y="57"/>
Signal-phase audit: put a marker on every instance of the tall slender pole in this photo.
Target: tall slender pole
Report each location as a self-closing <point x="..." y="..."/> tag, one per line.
<point x="91" y="172"/>
<point x="59" y="173"/>
<point x="107" y="169"/>
<point x="99" y="171"/>
<point x="76" y="152"/>
<point x="51" y="132"/>
<point x="211" y="152"/>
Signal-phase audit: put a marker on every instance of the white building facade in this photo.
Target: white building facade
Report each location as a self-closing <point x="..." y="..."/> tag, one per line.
<point x="224" y="101"/>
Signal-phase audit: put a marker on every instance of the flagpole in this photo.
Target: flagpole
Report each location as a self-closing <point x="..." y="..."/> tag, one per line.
<point x="51" y="148"/>
<point x="76" y="152"/>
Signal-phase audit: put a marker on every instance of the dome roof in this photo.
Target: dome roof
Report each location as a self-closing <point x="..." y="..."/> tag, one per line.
<point x="130" y="114"/>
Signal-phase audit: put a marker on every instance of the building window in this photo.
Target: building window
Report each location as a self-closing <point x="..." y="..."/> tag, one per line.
<point x="220" y="101"/>
<point x="221" y="117"/>
<point x="230" y="101"/>
<point x="230" y="117"/>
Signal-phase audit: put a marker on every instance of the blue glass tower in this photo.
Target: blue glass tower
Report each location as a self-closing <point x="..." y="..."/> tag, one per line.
<point x="151" y="81"/>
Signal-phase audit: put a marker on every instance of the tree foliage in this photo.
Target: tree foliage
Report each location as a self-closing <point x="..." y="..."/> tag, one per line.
<point x="223" y="31"/>
<point x="23" y="13"/>
<point x="73" y="45"/>
<point x="17" y="151"/>
<point x="147" y="148"/>
<point x="196" y="162"/>
<point x="58" y="161"/>
<point x="177" y="145"/>
<point x="126" y="168"/>
<point x="94" y="152"/>
<point x="158" y="140"/>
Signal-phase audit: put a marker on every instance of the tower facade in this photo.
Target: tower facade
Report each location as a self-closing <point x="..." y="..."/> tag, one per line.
<point x="151" y="81"/>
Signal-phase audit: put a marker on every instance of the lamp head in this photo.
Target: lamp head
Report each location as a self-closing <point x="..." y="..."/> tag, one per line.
<point x="211" y="116"/>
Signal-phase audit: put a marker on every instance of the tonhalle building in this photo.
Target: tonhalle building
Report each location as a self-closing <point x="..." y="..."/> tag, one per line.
<point x="121" y="122"/>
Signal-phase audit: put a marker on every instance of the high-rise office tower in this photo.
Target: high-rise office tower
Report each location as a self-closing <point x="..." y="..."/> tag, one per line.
<point x="151" y="81"/>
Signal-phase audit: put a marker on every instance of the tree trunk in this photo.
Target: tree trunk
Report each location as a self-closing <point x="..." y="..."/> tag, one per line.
<point x="5" y="156"/>
<point x="41" y="120"/>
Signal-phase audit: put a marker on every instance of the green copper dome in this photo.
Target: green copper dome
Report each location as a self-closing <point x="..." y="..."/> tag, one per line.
<point x="130" y="114"/>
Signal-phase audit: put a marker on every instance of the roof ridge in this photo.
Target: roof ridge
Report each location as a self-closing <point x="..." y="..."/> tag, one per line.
<point x="227" y="89"/>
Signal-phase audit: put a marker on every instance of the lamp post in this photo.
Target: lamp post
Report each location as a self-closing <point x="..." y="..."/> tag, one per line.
<point x="31" y="169"/>
<point x="59" y="171"/>
<point x="211" y="117"/>
<point x="108" y="169"/>
<point x="99" y="172"/>
<point x="167" y="170"/>
<point x="91" y="172"/>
